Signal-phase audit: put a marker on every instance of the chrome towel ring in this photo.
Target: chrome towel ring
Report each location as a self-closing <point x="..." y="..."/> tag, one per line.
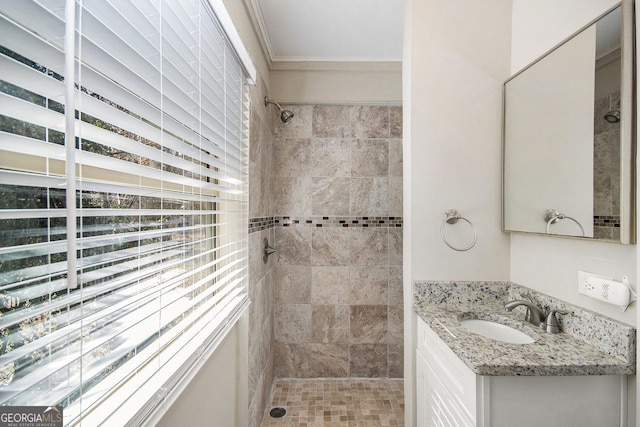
<point x="452" y="216"/>
<point x="551" y="216"/>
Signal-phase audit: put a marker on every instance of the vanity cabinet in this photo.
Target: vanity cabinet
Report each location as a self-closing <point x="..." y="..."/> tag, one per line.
<point x="450" y="394"/>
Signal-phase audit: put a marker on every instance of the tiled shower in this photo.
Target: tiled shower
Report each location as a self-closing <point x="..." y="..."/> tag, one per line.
<point x="326" y="191"/>
<point x="606" y="149"/>
<point x="337" y="199"/>
<point x="606" y="173"/>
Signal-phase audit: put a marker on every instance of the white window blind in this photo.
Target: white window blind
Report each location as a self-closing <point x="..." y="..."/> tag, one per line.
<point x="159" y="226"/>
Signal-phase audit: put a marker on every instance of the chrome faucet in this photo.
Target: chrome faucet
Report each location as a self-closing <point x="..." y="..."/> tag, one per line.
<point x="535" y="314"/>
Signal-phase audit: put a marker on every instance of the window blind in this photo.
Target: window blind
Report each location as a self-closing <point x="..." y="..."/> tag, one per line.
<point x="159" y="127"/>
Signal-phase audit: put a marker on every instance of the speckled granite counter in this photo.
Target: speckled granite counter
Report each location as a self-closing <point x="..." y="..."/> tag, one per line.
<point x="590" y="344"/>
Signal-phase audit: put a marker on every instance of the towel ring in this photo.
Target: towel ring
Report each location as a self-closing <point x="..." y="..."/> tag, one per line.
<point x="551" y="216"/>
<point x="452" y="216"/>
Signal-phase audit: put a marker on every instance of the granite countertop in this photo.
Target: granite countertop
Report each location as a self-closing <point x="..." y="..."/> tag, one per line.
<point x="440" y="306"/>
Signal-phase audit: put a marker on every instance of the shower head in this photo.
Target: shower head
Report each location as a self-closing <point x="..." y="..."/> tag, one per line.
<point x="612" y="116"/>
<point x="285" y="115"/>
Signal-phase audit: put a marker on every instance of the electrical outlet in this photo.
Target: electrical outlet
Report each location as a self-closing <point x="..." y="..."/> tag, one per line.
<point x="603" y="288"/>
<point x="583" y="286"/>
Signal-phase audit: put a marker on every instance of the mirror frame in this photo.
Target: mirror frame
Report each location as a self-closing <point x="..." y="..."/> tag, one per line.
<point x="627" y="126"/>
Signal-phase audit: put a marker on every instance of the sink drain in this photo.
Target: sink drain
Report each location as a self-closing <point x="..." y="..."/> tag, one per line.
<point x="277" y="412"/>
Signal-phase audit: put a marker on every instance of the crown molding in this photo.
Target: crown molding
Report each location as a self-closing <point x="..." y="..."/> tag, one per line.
<point x="278" y="63"/>
<point x="609" y="57"/>
<point x="260" y="28"/>
<point x="393" y="66"/>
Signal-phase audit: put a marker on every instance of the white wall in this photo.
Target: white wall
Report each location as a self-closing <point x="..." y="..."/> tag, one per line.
<point x="217" y="395"/>
<point x="456" y="58"/>
<point x="551" y="265"/>
<point x="540" y="25"/>
<point x="410" y="318"/>
<point x="457" y="67"/>
<point x="337" y="83"/>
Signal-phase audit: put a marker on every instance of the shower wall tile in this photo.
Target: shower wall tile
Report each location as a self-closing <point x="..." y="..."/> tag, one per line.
<point x="369" y="285"/>
<point x="370" y="121"/>
<point x="368" y="360"/>
<point x="294" y="245"/>
<point x="615" y="190"/>
<point x="615" y="234"/>
<point x="615" y="100"/>
<point x="395" y="158"/>
<point x="292" y="157"/>
<point x="602" y="152"/>
<point x="293" y="323"/>
<point x="312" y="360"/>
<point x="615" y="152"/>
<point x="396" y="321"/>
<point x="330" y="324"/>
<point x="292" y="196"/>
<point x="257" y="268"/>
<point x="330" y="285"/>
<point x="601" y="108"/>
<point x="261" y="308"/>
<point x="330" y="246"/>
<point x="396" y="361"/>
<point x="395" y="246"/>
<point x="395" y="286"/>
<point x="260" y="194"/>
<point x="605" y="233"/>
<point x="257" y="354"/>
<point x="260" y="153"/>
<point x="395" y="196"/>
<point x="369" y="196"/>
<point x="260" y="356"/>
<point x="255" y="140"/>
<point x="330" y="196"/>
<point x="255" y="195"/>
<point x="370" y="158"/>
<point x="292" y="285"/>
<point x="330" y="157"/>
<point x="255" y="408"/>
<point x="369" y="324"/>
<point x="336" y="179"/>
<point x="332" y="121"/>
<point x="395" y="116"/>
<point x="369" y="246"/>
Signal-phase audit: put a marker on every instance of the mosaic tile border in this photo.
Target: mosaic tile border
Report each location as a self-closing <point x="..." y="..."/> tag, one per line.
<point x="261" y="223"/>
<point x="339" y="221"/>
<point x="267" y="222"/>
<point x="606" y="221"/>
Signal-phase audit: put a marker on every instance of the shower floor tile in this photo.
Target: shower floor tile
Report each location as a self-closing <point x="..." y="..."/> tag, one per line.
<point x="337" y="402"/>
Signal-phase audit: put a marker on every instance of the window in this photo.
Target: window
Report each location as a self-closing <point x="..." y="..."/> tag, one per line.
<point x="117" y="273"/>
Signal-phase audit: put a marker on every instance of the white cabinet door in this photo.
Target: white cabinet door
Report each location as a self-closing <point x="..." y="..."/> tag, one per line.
<point x="437" y="403"/>
<point x="423" y="390"/>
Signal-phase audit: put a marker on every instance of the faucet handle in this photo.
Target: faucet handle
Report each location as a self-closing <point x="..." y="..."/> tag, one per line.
<point x="551" y="324"/>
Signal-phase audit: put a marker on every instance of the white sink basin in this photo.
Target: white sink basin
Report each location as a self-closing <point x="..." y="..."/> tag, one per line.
<point x="496" y="331"/>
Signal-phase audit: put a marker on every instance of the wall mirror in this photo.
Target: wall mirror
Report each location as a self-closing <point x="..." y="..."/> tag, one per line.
<point x="568" y="144"/>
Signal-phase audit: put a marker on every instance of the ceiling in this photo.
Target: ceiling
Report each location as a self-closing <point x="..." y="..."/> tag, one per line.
<point x="330" y="30"/>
